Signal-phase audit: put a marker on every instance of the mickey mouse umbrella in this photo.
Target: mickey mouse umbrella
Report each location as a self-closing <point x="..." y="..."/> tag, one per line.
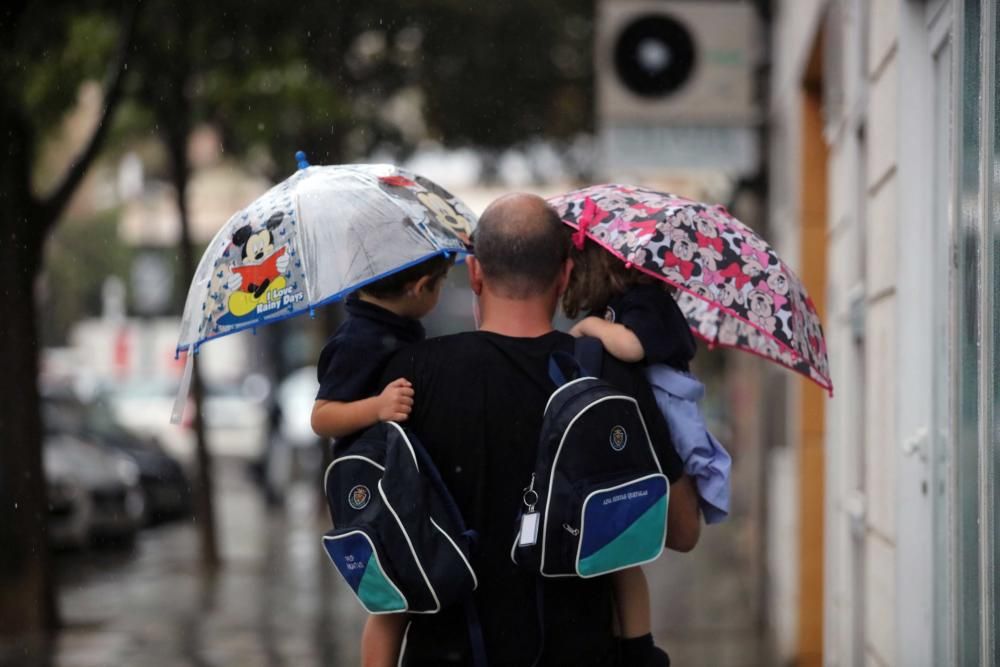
<point x="311" y="240"/>
<point x="734" y="290"/>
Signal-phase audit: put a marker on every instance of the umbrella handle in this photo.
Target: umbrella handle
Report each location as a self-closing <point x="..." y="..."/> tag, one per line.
<point x="180" y="401"/>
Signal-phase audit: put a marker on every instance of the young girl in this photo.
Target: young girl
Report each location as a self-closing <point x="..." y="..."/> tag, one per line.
<point x="637" y="320"/>
<point x="381" y="318"/>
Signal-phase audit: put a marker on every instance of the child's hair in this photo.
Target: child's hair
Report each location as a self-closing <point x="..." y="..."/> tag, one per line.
<point x="394" y="285"/>
<point x="597" y="278"/>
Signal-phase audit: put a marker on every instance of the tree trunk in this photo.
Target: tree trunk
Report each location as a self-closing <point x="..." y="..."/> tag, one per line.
<point x="204" y="506"/>
<point x="27" y="602"/>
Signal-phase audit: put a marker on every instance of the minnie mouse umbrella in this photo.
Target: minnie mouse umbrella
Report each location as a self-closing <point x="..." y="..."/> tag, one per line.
<point x="734" y="290"/>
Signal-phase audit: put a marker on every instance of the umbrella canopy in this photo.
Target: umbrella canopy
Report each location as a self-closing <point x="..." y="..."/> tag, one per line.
<point x="314" y="238"/>
<point x="734" y="290"/>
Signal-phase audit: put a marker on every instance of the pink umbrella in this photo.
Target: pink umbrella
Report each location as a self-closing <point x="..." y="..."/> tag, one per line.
<point x="734" y="290"/>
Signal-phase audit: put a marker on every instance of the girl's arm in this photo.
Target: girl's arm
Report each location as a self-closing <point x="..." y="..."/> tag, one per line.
<point x="335" y="419"/>
<point x="617" y="339"/>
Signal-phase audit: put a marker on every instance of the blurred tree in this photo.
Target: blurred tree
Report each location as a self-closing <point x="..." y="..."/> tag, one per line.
<point x="497" y="74"/>
<point x="259" y="78"/>
<point x="48" y="51"/>
<point x="338" y="79"/>
<point x="80" y="255"/>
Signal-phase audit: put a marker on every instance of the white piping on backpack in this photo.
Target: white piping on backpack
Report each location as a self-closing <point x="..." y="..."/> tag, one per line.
<point x="407" y="441"/>
<point x="402" y="646"/>
<point x="475" y="581"/>
<point x="548" y="402"/>
<point x="412" y="551"/>
<point x="409" y="446"/>
<point x="555" y="460"/>
<point x="583" y="524"/>
<point x="406" y="603"/>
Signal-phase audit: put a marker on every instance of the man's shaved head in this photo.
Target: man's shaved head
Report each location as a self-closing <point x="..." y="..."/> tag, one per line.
<point x="521" y="245"/>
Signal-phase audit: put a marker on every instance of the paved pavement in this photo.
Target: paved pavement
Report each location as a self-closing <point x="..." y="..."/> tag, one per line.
<point x="276" y="603"/>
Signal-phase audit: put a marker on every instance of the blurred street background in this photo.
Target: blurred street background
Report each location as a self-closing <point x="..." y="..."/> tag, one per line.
<point x="861" y="138"/>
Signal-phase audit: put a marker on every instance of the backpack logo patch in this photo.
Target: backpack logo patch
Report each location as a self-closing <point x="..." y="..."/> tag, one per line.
<point x="618" y="438"/>
<point x="359" y="497"/>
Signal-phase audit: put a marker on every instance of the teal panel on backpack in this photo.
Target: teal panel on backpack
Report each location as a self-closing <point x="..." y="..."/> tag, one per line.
<point x="640" y="542"/>
<point x="376" y="592"/>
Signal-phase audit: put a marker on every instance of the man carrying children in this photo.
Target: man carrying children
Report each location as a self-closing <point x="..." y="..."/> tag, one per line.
<point x="476" y="401"/>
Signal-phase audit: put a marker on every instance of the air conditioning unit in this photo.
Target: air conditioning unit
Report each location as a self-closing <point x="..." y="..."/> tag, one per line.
<point x="676" y="62"/>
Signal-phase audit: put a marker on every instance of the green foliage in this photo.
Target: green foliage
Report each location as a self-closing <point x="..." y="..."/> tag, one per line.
<point x="496" y="74"/>
<point x="49" y="51"/>
<point x="80" y="256"/>
<point x="279" y="108"/>
<point x="318" y="76"/>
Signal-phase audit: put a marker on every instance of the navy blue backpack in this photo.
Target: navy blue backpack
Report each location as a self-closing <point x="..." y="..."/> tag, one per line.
<point x="597" y="500"/>
<point x="398" y="538"/>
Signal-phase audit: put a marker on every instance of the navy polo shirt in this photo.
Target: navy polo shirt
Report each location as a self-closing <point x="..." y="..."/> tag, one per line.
<point x="352" y="359"/>
<point x="657" y="321"/>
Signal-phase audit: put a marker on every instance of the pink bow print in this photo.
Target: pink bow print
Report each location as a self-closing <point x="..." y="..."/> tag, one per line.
<point x="761" y="256"/>
<point x="586" y="221"/>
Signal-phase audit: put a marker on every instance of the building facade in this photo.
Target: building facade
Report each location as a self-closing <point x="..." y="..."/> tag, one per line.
<point x="884" y="150"/>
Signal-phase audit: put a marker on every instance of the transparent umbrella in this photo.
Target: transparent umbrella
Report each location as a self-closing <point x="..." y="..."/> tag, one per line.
<point x="311" y="240"/>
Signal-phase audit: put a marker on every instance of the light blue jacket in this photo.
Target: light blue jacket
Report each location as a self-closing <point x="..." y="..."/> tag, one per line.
<point x="705" y="461"/>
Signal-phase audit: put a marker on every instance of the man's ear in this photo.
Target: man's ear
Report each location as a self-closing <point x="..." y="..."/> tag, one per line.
<point x="564" y="275"/>
<point x="475" y="275"/>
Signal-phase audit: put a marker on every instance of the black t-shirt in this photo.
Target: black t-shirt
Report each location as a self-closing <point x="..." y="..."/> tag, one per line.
<point x="478" y="411"/>
<point x="352" y="359"/>
<point x="657" y="321"/>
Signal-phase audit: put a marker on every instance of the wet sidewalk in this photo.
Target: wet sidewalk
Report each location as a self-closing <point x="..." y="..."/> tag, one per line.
<point x="275" y="601"/>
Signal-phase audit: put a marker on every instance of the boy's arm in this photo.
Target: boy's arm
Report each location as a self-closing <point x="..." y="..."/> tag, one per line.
<point x="382" y="639"/>
<point x="335" y="419"/>
<point x="617" y="339"/>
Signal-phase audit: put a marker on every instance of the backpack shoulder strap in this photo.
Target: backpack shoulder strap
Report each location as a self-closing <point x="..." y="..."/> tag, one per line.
<point x="589" y="353"/>
<point x="425" y="465"/>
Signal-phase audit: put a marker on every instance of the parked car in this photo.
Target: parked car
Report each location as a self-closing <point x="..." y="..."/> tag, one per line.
<point x="165" y="483"/>
<point x="292" y="445"/>
<point x="296" y="395"/>
<point x="70" y="505"/>
<point x="235" y="419"/>
<point x="94" y="492"/>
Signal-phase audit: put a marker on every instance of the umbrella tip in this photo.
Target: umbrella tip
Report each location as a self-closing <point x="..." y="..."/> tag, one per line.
<point x="300" y="157"/>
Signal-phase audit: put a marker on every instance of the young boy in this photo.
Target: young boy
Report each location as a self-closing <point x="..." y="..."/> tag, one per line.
<point x="382" y="317"/>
